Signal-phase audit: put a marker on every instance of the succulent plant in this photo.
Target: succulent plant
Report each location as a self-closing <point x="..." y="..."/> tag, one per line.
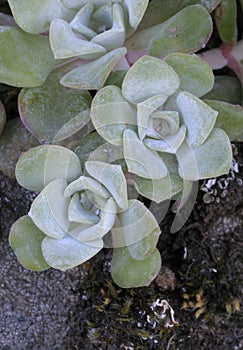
<point x="72" y="214"/>
<point x="159" y="123"/>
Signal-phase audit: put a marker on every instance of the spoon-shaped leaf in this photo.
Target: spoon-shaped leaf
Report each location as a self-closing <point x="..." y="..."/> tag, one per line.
<point x="149" y="76"/>
<point x="112" y="177"/>
<point x="35" y="16"/>
<point x="225" y="19"/>
<point x="230" y="119"/>
<point x="66" y="44"/>
<point x="93" y="75"/>
<point x="111" y="114"/>
<point x="53" y="112"/>
<point x="198" y="117"/>
<point x="130" y="273"/>
<point x="26" y="239"/>
<point x="141" y="160"/>
<point x="195" y="75"/>
<point x="26" y="59"/>
<point x="49" y="210"/>
<point x="40" y="165"/>
<point x="65" y="253"/>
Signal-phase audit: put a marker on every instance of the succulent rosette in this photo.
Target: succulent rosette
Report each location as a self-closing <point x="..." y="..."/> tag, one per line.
<point x="166" y="131"/>
<point x="93" y="30"/>
<point x="75" y="211"/>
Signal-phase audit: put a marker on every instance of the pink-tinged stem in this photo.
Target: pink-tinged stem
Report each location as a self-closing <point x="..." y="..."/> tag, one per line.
<point x="232" y="62"/>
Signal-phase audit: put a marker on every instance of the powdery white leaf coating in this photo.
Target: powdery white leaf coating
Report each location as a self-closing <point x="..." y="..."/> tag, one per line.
<point x="149" y="76"/>
<point x="40" y="165"/>
<point x="112" y="177"/>
<point x="65" y="253"/>
<point x="49" y="210"/>
<point x="198" y="117"/>
<point x="140" y="159"/>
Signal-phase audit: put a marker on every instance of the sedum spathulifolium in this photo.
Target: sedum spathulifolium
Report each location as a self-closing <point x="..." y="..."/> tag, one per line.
<point x="75" y="210"/>
<point x="166" y="131"/>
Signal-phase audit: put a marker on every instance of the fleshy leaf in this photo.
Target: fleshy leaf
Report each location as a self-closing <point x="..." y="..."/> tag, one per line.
<point x="138" y="230"/>
<point x="43" y="164"/>
<point x="25" y="239"/>
<point x="230" y="119"/>
<point x="29" y="56"/>
<point x="65" y="253"/>
<point x="195" y="75"/>
<point x="93" y="75"/>
<point x="159" y="11"/>
<point x="86" y="183"/>
<point x="52" y="112"/>
<point x="77" y="213"/>
<point x="66" y="44"/>
<point x="225" y="19"/>
<point x="2" y="117"/>
<point x="136" y="10"/>
<point x="113" y="38"/>
<point x="187" y="31"/>
<point x="35" y="16"/>
<point x="169" y="144"/>
<point x="213" y="158"/>
<point x="49" y="210"/>
<point x="112" y="177"/>
<point x="20" y="139"/>
<point x="130" y="273"/>
<point x="141" y="160"/>
<point x="144" y="111"/>
<point x="227" y="89"/>
<point x="104" y="114"/>
<point x="198" y="117"/>
<point x="91" y="232"/>
<point x="161" y="189"/>
<point x="149" y="76"/>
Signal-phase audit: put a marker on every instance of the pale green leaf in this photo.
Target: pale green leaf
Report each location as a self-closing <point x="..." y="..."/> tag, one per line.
<point x="66" y="44"/>
<point x="53" y="112"/>
<point x="225" y="19"/>
<point x="136" y="10"/>
<point x="198" y="117"/>
<point x="40" y="165"/>
<point x="77" y="213"/>
<point x="66" y="253"/>
<point x="159" y="11"/>
<point x="87" y="233"/>
<point x="140" y="159"/>
<point x="137" y="229"/>
<point x="161" y="189"/>
<point x="92" y="76"/>
<point x="130" y="273"/>
<point x="112" y="177"/>
<point x="25" y="239"/>
<point x="111" y="114"/>
<point x="148" y="77"/>
<point x="26" y="59"/>
<point x="187" y="31"/>
<point x="35" y="16"/>
<point x="213" y="158"/>
<point x="14" y="140"/>
<point x="195" y="75"/>
<point x="113" y="38"/>
<point x="168" y="144"/>
<point x="86" y="183"/>
<point x="230" y="119"/>
<point x="49" y="210"/>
